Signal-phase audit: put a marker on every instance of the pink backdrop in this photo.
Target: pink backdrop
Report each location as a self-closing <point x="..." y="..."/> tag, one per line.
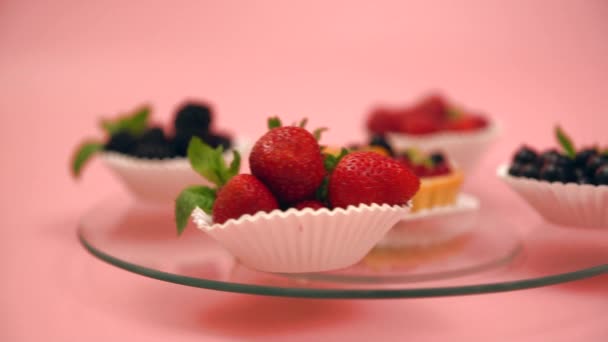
<point x="63" y="64"/>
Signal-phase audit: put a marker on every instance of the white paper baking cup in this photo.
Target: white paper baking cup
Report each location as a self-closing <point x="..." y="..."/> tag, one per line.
<point x="434" y="226"/>
<point x="301" y="241"/>
<point x="570" y="204"/>
<point x="158" y="180"/>
<point x="465" y="148"/>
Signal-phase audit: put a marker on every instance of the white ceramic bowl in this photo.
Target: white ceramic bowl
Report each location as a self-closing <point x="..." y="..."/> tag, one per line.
<point x="159" y="180"/>
<point x="465" y="148"/>
<point x="569" y="204"/>
<point x="302" y="241"/>
<point x="434" y="226"/>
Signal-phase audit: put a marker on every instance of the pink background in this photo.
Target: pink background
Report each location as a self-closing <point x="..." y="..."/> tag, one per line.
<point x="64" y="64"/>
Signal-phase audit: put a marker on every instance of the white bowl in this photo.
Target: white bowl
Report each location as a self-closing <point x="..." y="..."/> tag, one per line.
<point x="302" y="241"/>
<point x="465" y="148"/>
<point x="566" y="204"/>
<point x="159" y="180"/>
<point x="434" y="226"/>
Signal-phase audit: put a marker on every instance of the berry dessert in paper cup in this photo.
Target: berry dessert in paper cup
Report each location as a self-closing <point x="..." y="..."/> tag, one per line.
<point x="299" y="210"/>
<point x="439" y="212"/>
<point x="151" y="163"/>
<point x="434" y="124"/>
<point x="567" y="187"/>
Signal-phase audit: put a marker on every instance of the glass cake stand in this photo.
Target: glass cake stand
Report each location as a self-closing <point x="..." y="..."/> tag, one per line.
<point x="493" y="258"/>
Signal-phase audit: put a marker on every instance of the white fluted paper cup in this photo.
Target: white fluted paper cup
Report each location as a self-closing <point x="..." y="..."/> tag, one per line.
<point x="464" y="148"/>
<point x="302" y="241"/>
<point x="565" y="204"/>
<point x="158" y="180"/>
<point x="434" y="226"/>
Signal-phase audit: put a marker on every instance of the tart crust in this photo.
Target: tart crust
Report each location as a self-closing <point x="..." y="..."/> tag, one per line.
<point x="438" y="191"/>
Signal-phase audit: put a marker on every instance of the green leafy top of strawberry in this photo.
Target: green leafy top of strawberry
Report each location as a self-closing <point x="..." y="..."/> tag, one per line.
<point x="330" y="162"/>
<point x="134" y="124"/>
<point x="275" y="122"/>
<point x="565" y="142"/>
<point x="210" y="164"/>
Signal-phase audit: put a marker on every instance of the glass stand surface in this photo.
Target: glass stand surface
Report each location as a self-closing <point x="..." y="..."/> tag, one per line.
<point x="142" y="239"/>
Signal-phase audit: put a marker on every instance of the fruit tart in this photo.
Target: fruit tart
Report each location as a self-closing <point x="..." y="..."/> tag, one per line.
<point x="433" y="123"/>
<point x="566" y="186"/>
<point x="299" y="210"/>
<point x="148" y="159"/>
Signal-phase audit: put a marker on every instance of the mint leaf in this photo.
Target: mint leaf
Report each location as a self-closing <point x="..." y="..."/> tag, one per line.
<point x="235" y="165"/>
<point x="318" y="132"/>
<point x="203" y="160"/>
<point x="210" y="163"/>
<point x="135" y="123"/>
<point x="274" y="122"/>
<point x="83" y="153"/>
<point x="139" y="121"/>
<point x="565" y="142"/>
<point x="190" y="198"/>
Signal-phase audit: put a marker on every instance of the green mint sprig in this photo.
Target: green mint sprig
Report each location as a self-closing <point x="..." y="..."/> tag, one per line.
<point x="134" y="123"/>
<point x="190" y="198"/>
<point x="83" y="153"/>
<point x="210" y="164"/>
<point x="565" y="142"/>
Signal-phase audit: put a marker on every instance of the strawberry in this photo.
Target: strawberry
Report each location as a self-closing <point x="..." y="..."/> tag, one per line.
<point x="433" y="106"/>
<point x="382" y="120"/>
<point x="243" y="194"/>
<point x="368" y="177"/>
<point x="466" y="122"/>
<point x="414" y="123"/>
<point x="309" y="204"/>
<point x="289" y="161"/>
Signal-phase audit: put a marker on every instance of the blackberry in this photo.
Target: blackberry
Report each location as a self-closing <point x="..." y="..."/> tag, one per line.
<point x="581" y="177"/>
<point x="379" y="140"/>
<point x="153" y="135"/>
<point x="601" y="175"/>
<point x="122" y="142"/>
<point x="594" y="163"/>
<point x="182" y="139"/>
<point x="555" y="173"/>
<point x="215" y="140"/>
<point x="153" y="150"/>
<point x="550" y="156"/>
<point x="583" y="156"/>
<point x="193" y="117"/>
<point x="530" y="171"/>
<point x="437" y="158"/>
<point x="565" y="162"/>
<point x="525" y="155"/>
<point x="515" y="169"/>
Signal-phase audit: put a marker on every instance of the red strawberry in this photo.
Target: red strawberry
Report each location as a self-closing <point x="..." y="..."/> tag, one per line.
<point x="309" y="204"/>
<point x="289" y="161"/>
<point x="433" y="106"/>
<point x="414" y="123"/>
<point x="466" y="122"/>
<point x="368" y="177"/>
<point x="243" y="194"/>
<point x="382" y="120"/>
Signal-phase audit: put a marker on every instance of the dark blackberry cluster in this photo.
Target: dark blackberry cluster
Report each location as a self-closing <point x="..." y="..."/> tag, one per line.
<point x="589" y="166"/>
<point x="191" y="120"/>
